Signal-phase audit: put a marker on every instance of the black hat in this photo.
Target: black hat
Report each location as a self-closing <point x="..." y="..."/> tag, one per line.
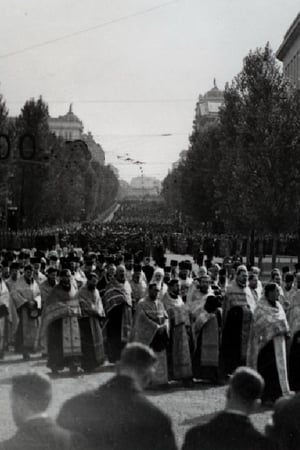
<point x="297" y="267"/>
<point x="10" y="256"/>
<point x="285" y="269"/>
<point x="174" y="263"/>
<point x="128" y="256"/>
<point x="39" y="254"/>
<point x="289" y="277"/>
<point x="35" y="260"/>
<point x="173" y="281"/>
<point x="110" y="259"/>
<point x="101" y="258"/>
<point x="137" y="268"/>
<point x="188" y="264"/>
<point x="168" y="269"/>
<point x="73" y="258"/>
<point x="51" y="270"/>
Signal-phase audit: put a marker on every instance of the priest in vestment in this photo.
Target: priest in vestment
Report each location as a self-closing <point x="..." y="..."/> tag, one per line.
<point x="151" y="327"/>
<point x="26" y="297"/>
<point x="91" y="322"/>
<point x="60" y="331"/>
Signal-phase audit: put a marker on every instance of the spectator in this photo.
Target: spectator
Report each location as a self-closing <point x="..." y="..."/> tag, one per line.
<point x="117" y="415"/>
<point x="232" y="429"/>
<point x="30" y="397"/>
<point x="284" y="427"/>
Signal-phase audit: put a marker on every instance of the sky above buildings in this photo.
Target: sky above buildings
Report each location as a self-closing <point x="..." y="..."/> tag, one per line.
<point x="133" y="69"/>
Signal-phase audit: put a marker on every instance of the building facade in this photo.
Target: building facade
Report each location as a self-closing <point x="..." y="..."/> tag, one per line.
<point x="208" y="106"/>
<point x="69" y="127"/>
<point x="289" y="53"/>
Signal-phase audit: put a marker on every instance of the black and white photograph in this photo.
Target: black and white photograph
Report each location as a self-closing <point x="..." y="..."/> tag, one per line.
<point x="150" y="225"/>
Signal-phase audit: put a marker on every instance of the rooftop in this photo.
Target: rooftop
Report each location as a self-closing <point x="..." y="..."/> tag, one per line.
<point x="289" y="38"/>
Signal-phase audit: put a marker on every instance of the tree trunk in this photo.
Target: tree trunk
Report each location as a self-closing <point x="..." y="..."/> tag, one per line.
<point x="274" y="249"/>
<point x="252" y="248"/>
<point x="248" y="250"/>
<point x="260" y="251"/>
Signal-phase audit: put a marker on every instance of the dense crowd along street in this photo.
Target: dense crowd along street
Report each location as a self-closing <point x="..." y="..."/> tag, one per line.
<point x="78" y="302"/>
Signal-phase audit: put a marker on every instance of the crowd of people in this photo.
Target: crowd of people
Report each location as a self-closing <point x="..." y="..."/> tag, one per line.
<point x="117" y="415"/>
<point x="108" y="294"/>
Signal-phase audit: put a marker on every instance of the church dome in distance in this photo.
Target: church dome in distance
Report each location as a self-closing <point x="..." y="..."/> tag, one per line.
<point x="214" y="93"/>
<point x="70" y="116"/>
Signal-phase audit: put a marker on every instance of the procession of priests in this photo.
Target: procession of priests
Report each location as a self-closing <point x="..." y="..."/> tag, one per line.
<point x="79" y="310"/>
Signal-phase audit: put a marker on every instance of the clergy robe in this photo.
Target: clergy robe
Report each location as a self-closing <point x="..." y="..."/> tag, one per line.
<point x="8" y="316"/>
<point x="60" y="329"/>
<point x="238" y="310"/>
<point x="92" y="316"/>
<point x="267" y="348"/>
<point x="206" y="332"/>
<point x="26" y="297"/>
<point x="179" y="354"/>
<point x="117" y="305"/>
<point x="151" y="327"/>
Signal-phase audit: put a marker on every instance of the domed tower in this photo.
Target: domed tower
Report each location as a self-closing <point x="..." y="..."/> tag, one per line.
<point x="69" y="126"/>
<point x="208" y="105"/>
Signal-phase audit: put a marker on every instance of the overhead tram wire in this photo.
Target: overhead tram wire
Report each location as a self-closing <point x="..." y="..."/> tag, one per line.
<point x="87" y="30"/>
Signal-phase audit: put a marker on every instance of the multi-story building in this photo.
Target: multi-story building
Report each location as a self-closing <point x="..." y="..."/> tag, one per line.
<point x="207" y="108"/>
<point x="69" y="127"/>
<point x="289" y="53"/>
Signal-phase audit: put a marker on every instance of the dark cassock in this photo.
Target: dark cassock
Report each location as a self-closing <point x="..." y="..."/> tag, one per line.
<point x="60" y="330"/>
<point x="90" y="323"/>
<point x="206" y="322"/>
<point x="117" y="305"/>
<point x="238" y="307"/>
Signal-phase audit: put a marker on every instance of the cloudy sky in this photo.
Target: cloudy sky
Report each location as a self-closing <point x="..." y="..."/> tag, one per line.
<point x="132" y="68"/>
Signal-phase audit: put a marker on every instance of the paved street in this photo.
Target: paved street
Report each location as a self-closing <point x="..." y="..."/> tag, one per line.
<point x="186" y="406"/>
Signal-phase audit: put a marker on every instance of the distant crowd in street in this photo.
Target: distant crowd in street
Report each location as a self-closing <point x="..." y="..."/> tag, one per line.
<point x="117" y="299"/>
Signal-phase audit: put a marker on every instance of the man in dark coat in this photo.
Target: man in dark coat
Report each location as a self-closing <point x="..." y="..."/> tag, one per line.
<point x="30" y="397"/>
<point x="284" y="428"/>
<point x="232" y="429"/>
<point x="117" y="415"/>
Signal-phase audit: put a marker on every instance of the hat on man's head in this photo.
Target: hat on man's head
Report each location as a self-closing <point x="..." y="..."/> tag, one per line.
<point x="188" y="264"/>
<point x="137" y="267"/>
<point x="162" y="262"/>
<point x="51" y="270"/>
<point x="173" y="263"/>
<point x="35" y="260"/>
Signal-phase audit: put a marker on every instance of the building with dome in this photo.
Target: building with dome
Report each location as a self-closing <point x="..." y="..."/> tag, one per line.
<point x="208" y="106"/>
<point x="69" y="127"/>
